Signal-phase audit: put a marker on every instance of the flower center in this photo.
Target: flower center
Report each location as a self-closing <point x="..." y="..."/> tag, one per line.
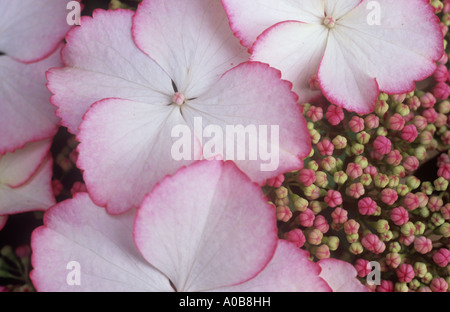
<point x="178" y="98"/>
<point x="329" y="21"/>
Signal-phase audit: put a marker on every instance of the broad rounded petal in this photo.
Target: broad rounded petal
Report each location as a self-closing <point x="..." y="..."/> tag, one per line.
<point x="342" y="76"/>
<point x="190" y="40"/>
<point x="341" y="276"/>
<point x="35" y="194"/>
<point x="296" y="49"/>
<point x="3" y="220"/>
<point x="290" y="270"/>
<point x="102" y="61"/>
<point x="261" y="126"/>
<point x="250" y="18"/>
<point x="82" y="248"/>
<point x="339" y="8"/>
<point x="125" y="150"/>
<point x="18" y="167"/>
<point x="30" y="31"/>
<point x="398" y="46"/>
<point x="26" y="113"/>
<point x="206" y="227"/>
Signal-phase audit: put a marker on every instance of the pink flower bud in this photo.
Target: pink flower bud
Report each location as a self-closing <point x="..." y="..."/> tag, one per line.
<point x="333" y="198"/>
<point x="307" y="177"/>
<point x="314" y="113"/>
<point x="321" y="224"/>
<point x="339" y="215"/>
<point x="23" y="251"/>
<point x="389" y="196"/>
<point x="322" y="252"/>
<point x="409" y="133"/>
<point x="382" y="145"/>
<point x="394" y="158"/>
<point x="430" y="114"/>
<point x="297" y="237"/>
<point x="351" y="227"/>
<point x="57" y="187"/>
<point x="314" y="237"/>
<point x="423" y="245"/>
<point x="393" y="260"/>
<point x="413" y="103"/>
<point x="435" y="203"/>
<point x="385" y="286"/>
<point x="356" y="190"/>
<point x="405" y="273"/>
<point x="363" y="267"/>
<point x="367" y="206"/>
<point x="439" y="285"/>
<point x="442" y="257"/>
<point x="396" y="122"/>
<point x="411" y="201"/>
<point x="356" y="124"/>
<point x="428" y="100"/>
<point x="372" y="243"/>
<point x="441" y="91"/>
<point x="325" y="148"/>
<point x="306" y="218"/>
<point x="276" y="182"/>
<point x="411" y="163"/>
<point x="314" y="83"/>
<point x="334" y="115"/>
<point x="372" y="170"/>
<point x="284" y="214"/>
<point x="445" y="211"/>
<point x="353" y="170"/>
<point x="406" y="240"/>
<point x="444" y="171"/>
<point x="441" y="73"/>
<point x="399" y="216"/>
<point x="420" y="122"/>
<point x="372" y="121"/>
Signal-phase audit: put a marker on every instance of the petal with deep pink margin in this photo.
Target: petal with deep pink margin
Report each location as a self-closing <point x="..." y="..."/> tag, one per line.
<point x="341" y="276"/>
<point x="26" y="113"/>
<point x="398" y="49"/>
<point x="296" y="49"/>
<point x="125" y="149"/>
<point x="342" y="77"/>
<point x="250" y="18"/>
<point x="18" y="167"/>
<point x="77" y="235"/>
<point x="207" y="226"/>
<point x="3" y="220"/>
<point x="290" y="270"/>
<point x="35" y="194"/>
<point x="30" y="30"/>
<point x="252" y="96"/>
<point x="190" y="40"/>
<point x="102" y="61"/>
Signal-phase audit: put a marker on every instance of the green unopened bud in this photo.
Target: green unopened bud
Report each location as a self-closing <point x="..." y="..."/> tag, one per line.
<point x="339" y="142"/>
<point x="427" y="188"/>
<point x="414" y="284"/>
<point x="399" y="171"/>
<point x="412" y="182"/>
<point x="393" y="181"/>
<point x="402" y="109"/>
<point x="383" y="96"/>
<point x="313" y="165"/>
<point x="428" y="277"/>
<point x="395" y="247"/>
<point x="332" y="242"/>
<point x="366" y="179"/>
<point x="311" y="154"/>
<point x="386" y="237"/>
<point x="401" y="287"/>
<point x="352" y="238"/>
<point x="402" y="190"/>
<point x="440" y="184"/>
<point x="356" y="248"/>
<point x="408" y="229"/>
<point x="420" y="228"/>
<point x="357" y="149"/>
<point x="382" y="131"/>
<point x="381" y="107"/>
<point x="425" y="137"/>
<point x="444" y="230"/>
<point x="340" y="177"/>
<point x="382" y="226"/>
<point x="321" y="179"/>
<point x="420" y="269"/>
<point x="362" y="161"/>
<point x="310" y="124"/>
<point x="444" y="106"/>
<point x="339" y="164"/>
<point x="309" y="190"/>
<point x="424" y="212"/>
<point x="301" y="204"/>
<point x="420" y="152"/>
<point x="329" y="163"/>
<point x="316" y="206"/>
<point x="363" y="137"/>
<point x="281" y="192"/>
<point x="315" y="136"/>
<point x="437" y="219"/>
<point x="7" y="251"/>
<point x="381" y="180"/>
<point x="431" y="128"/>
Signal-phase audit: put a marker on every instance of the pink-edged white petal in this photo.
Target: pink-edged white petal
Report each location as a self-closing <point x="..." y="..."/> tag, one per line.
<point x="340" y="276"/>
<point x="126" y="149"/>
<point x="190" y="40"/>
<point x="102" y="61"/>
<point x="398" y="49"/>
<point x="338" y="8"/>
<point x="26" y="113"/>
<point x="82" y="248"/>
<point x="30" y="30"/>
<point x="252" y="96"/>
<point x="296" y="49"/>
<point x="18" y="167"/>
<point x="206" y="227"/>
<point x="342" y="78"/>
<point x="290" y="270"/>
<point x="35" y="194"/>
<point x="3" y="220"/>
<point x="250" y="18"/>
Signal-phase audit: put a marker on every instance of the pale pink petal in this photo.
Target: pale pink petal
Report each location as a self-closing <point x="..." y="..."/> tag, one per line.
<point x="190" y="40"/>
<point x="18" y="167"/>
<point x="101" y="245"/>
<point x="250" y="18"/>
<point x="26" y="113"/>
<point x="342" y="76"/>
<point x="290" y="270"/>
<point x="341" y="276"/>
<point x="3" y="220"/>
<point x="102" y="61"/>
<point x="339" y="8"/>
<point x="253" y="96"/>
<point x="206" y="227"/>
<point x="296" y="49"/>
<point x="31" y="30"/>
<point x="126" y="149"/>
<point x="35" y="194"/>
<point x="402" y="49"/>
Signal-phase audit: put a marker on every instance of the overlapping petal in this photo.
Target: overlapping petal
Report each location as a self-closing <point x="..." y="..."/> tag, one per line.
<point x="30" y="30"/>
